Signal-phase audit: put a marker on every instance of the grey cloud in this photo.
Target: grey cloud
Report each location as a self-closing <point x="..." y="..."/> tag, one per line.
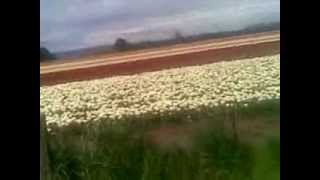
<point x="81" y="23"/>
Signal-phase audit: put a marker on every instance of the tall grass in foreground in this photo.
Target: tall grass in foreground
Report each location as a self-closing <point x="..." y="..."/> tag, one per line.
<point x="204" y="149"/>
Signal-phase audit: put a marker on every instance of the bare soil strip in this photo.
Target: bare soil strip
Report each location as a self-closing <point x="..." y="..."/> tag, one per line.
<point x="161" y="58"/>
<point x="169" y="47"/>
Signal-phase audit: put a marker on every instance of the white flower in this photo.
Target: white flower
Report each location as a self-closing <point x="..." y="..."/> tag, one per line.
<point x="164" y="92"/>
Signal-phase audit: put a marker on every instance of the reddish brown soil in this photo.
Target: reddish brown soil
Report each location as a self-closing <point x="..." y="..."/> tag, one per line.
<point x="52" y="75"/>
<point x="169" y="47"/>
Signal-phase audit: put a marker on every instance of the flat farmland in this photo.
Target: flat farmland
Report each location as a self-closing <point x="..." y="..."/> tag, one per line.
<point x="133" y="62"/>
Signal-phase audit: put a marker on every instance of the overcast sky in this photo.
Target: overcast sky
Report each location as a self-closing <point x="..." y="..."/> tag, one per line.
<point x="74" y="24"/>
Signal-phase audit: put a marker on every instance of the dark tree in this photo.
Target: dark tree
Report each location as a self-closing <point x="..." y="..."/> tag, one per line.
<point x="121" y="44"/>
<point x="45" y="54"/>
<point x="179" y="37"/>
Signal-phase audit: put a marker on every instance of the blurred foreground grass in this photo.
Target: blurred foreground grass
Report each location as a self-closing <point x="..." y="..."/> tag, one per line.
<point x="208" y="147"/>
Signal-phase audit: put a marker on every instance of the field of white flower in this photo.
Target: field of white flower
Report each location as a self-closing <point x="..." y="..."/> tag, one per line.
<point x="163" y="92"/>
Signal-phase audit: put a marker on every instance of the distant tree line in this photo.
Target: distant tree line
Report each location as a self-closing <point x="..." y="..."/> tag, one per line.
<point x="121" y="44"/>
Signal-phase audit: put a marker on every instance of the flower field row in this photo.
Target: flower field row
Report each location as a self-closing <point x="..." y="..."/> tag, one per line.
<point x="163" y="92"/>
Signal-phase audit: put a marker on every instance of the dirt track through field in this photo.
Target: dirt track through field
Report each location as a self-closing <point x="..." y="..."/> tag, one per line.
<point x="161" y="58"/>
